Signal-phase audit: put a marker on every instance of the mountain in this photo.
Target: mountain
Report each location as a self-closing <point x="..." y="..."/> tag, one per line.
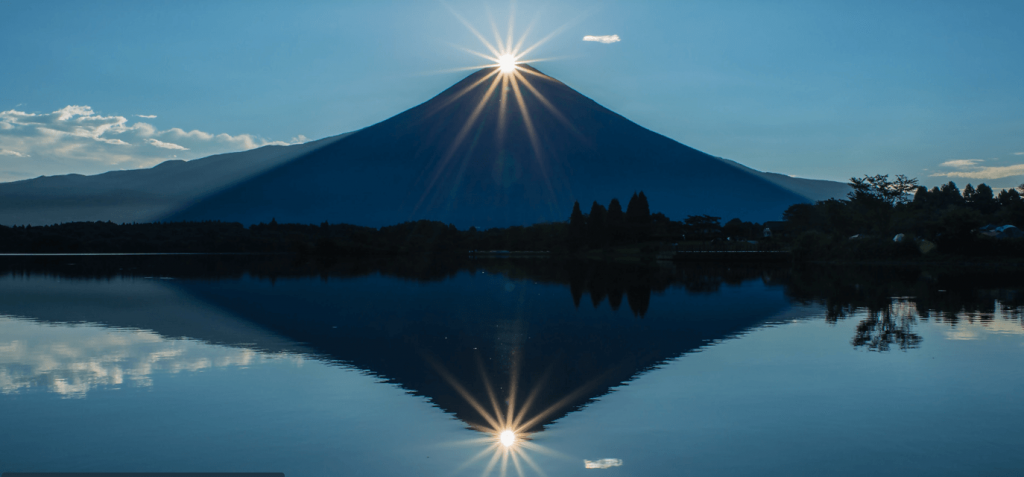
<point x="486" y="152"/>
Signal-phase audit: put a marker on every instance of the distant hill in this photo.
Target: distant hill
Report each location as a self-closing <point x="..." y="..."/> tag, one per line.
<point x="468" y="156"/>
<point x="813" y="189"/>
<point x="140" y="195"/>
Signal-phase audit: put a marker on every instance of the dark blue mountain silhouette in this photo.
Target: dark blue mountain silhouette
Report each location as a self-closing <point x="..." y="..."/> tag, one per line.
<point x="468" y="157"/>
<point x="412" y="166"/>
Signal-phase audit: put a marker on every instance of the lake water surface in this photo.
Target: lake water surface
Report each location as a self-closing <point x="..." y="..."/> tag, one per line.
<point x="415" y="367"/>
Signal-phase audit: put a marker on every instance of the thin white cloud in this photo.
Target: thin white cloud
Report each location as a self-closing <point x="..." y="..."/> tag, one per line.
<point x="8" y="152"/>
<point x="603" y="38"/>
<point x="961" y="163"/>
<point x="147" y="116"/>
<point x="75" y="139"/>
<point x="1018" y="154"/>
<point x="972" y="169"/>
<point x="602" y="463"/>
<point x="166" y="145"/>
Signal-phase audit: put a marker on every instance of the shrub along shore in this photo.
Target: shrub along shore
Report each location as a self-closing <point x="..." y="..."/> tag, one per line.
<point x="881" y="220"/>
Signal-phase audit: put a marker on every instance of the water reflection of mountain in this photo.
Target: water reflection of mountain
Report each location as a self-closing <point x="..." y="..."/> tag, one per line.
<point x="573" y="330"/>
<point x="473" y="319"/>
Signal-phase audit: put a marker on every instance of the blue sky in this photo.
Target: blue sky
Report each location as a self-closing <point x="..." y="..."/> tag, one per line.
<point x="828" y="90"/>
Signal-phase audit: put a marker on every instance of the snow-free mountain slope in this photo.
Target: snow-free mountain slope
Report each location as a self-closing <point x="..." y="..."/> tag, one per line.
<point x="139" y="195"/>
<point x="470" y="156"/>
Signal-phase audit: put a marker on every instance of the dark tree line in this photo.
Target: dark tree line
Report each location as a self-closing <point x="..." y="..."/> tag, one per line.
<point x="867" y="222"/>
<point x="604" y="227"/>
<point x="861" y="226"/>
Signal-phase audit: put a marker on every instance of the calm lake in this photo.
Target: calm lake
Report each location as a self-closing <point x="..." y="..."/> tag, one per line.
<point x="416" y="367"/>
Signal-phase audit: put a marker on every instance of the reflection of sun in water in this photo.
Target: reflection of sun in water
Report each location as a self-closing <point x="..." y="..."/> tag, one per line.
<point x="508" y="428"/>
<point x="508" y="438"/>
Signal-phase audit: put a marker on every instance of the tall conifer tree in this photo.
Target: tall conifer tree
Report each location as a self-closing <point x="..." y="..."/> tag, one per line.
<point x="597" y="224"/>
<point x="631" y="209"/>
<point x="615" y="215"/>
<point x="643" y="209"/>
<point x="577" y="226"/>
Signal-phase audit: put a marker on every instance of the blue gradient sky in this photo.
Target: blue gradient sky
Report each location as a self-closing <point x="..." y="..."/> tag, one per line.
<point x="813" y="89"/>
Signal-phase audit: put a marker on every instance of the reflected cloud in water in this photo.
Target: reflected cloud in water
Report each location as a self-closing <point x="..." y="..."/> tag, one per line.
<point x="979" y="330"/>
<point x="74" y="359"/>
<point x="507" y="347"/>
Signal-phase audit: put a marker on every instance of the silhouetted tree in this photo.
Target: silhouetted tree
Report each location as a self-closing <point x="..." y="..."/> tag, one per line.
<point x="597" y="225"/>
<point x="577" y="226"/>
<point x="983" y="199"/>
<point x="879" y="186"/>
<point x="969" y="193"/>
<point x="615" y="298"/>
<point x="702" y="227"/>
<point x="615" y="215"/>
<point x="639" y="297"/>
<point x="638" y="212"/>
<point x="740" y="230"/>
<point x="615" y="220"/>
<point x="951" y="194"/>
<point x="1009" y="197"/>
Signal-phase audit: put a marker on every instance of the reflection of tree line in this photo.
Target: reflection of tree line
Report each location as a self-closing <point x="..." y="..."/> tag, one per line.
<point x="946" y="296"/>
<point x="636" y="282"/>
<point x="894" y="299"/>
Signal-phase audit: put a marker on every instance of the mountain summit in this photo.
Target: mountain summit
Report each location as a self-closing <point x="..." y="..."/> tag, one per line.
<point x="488" y="151"/>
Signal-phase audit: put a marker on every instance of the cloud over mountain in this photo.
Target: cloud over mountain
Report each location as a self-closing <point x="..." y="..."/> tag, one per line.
<point x="77" y="139"/>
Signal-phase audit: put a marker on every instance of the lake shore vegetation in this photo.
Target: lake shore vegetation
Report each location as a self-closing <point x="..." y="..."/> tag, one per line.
<point x="881" y="220"/>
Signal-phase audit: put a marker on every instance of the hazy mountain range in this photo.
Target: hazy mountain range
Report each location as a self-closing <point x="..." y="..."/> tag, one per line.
<point x="469" y="156"/>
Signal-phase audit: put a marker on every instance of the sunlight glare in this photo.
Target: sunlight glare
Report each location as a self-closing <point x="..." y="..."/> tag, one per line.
<point x="507" y="63"/>
<point x="508" y="438"/>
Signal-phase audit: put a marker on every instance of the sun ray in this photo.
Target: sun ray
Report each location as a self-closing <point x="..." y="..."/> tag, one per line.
<point x="530" y="398"/>
<point x="497" y="35"/>
<point x="561" y="403"/>
<point x="490" y="393"/>
<point x="504" y="462"/>
<point x="534" y="139"/>
<point x="556" y="32"/>
<point x="540" y="60"/>
<point x="487" y="439"/>
<point x="543" y="40"/>
<point x="526" y="33"/>
<point x="515" y="462"/>
<point x="462" y="92"/>
<point x="465" y="394"/>
<point x="547" y="104"/>
<point x="493" y="59"/>
<point x="473" y="30"/>
<point x="511" y="25"/>
<point x="502" y="111"/>
<point x="454" y="70"/>
<point x="513" y="390"/>
<point x="479" y="455"/>
<point x="529" y="461"/>
<point x="526" y="445"/>
<point x="439" y="168"/>
<point x="490" y="465"/>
